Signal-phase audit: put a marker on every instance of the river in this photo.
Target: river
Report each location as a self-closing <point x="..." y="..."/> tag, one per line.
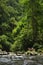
<point x="21" y="60"/>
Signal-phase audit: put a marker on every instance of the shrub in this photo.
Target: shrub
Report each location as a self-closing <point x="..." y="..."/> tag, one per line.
<point x="37" y="46"/>
<point x="16" y="47"/>
<point x="0" y="46"/>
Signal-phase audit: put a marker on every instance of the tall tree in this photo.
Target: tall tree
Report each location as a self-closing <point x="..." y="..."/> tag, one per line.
<point x="9" y="15"/>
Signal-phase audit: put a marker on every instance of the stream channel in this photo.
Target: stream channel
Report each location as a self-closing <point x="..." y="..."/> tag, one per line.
<point x="21" y="60"/>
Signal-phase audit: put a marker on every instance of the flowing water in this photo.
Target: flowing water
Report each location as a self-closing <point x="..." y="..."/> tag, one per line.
<point x="21" y="60"/>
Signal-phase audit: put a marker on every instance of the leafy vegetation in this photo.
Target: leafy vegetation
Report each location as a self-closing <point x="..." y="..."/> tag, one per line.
<point x="21" y="25"/>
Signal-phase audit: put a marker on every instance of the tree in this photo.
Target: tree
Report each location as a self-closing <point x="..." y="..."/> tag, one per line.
<point x="21" y="24"/>
<point x="9" y="16"/>
<point x="33" y="13"/>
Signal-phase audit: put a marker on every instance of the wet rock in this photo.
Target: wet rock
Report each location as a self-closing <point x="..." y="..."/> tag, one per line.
<point x="31" y="53"/>
<point x="4" y="60"/>
<point x="3" y="52"/>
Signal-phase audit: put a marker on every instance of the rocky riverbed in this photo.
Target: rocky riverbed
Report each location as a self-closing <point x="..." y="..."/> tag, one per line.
<point x="29" y="58"/>
<point x="21" y="60"/>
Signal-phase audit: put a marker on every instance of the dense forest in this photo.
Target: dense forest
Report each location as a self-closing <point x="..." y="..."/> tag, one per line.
<point x="21" y="25"/>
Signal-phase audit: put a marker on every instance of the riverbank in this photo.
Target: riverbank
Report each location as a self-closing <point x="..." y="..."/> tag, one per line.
<point x="19" y="53"/>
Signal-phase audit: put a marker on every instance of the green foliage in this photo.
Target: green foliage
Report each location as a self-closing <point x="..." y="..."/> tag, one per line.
<point x="9" y="16"/>
<point x="21" y="24"/>
<point x="17" y="46"/>
<point x="40" y="50"/>
<point x="4" y="43"/>
<point x="37" y="46"/>
<point x="0" y="46"/>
